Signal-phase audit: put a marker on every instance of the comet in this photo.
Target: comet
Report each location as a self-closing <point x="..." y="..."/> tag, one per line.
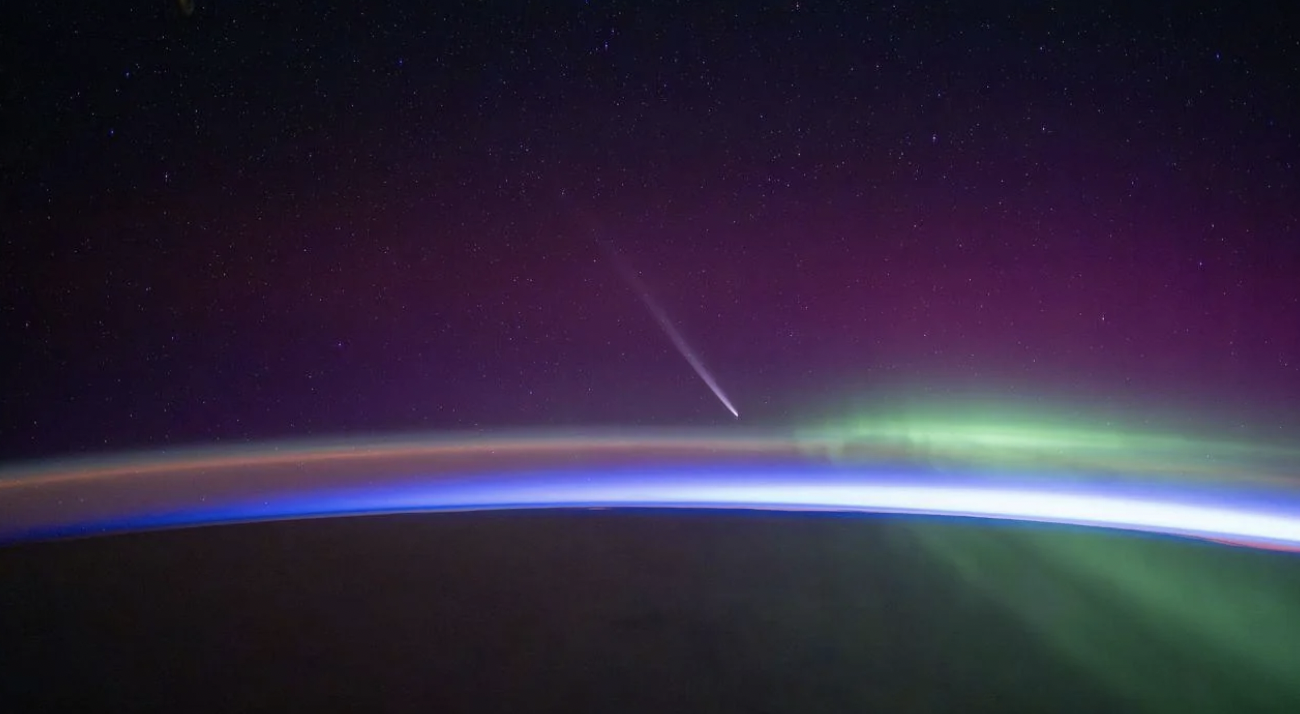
<point x="660" y="316"/>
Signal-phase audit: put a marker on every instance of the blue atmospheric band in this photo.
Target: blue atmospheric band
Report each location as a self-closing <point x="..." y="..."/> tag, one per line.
<point x="1266" y="519"/>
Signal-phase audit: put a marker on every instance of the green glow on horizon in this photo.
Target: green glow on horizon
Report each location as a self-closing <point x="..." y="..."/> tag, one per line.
<point x="1001" y="434"/>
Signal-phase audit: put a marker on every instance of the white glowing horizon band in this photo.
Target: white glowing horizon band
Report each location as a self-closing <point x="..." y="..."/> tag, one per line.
<point x="1168" y="515"/>
<point x="1162" y="516"/>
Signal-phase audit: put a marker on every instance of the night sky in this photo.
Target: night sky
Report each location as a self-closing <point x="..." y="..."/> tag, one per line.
<point x="280" y="219"/>
<point x="237" y="221"/>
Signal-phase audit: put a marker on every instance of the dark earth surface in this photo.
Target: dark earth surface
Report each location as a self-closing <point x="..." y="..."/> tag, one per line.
<point x="611" y="611"/>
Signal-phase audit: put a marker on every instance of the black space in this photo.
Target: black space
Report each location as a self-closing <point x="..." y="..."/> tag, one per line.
<point x="282" y="219"/>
